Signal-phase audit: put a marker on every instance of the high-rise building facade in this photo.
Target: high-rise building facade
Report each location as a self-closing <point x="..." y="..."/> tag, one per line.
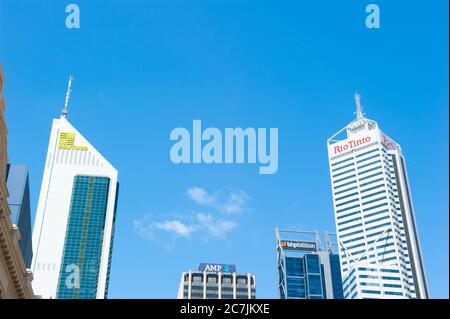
<point x="374" y="215"/>
<point x="15" y="279"/>
<point x="306" y="270"/>
<point x="216" y="281"/>
<point x="74" y="226"/>
<point x="19" y="204"/>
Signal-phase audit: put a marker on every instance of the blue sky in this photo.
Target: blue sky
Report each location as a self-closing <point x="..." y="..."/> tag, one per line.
<point x="143" y="68"/>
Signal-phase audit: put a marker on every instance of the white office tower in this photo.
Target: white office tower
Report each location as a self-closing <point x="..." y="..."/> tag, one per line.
<point x="74" y="225"/>
<point x="376" y="229"/>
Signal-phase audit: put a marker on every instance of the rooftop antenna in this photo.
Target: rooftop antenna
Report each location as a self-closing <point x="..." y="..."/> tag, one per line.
<point x="359" y="113"/>
<point x="66" y="104"/>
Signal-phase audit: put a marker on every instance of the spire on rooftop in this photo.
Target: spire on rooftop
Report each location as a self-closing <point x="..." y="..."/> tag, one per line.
<point x="66" y="104"/>
<point x="359" y="113"/>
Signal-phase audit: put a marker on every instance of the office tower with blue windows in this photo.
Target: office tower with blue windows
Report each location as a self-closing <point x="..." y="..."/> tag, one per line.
<point x="376" y="227"/>
<point x="18" y="187"/>
<point x="216" y="281"/>
<point x="74" y="227"/>
<point x="306" y="270"/>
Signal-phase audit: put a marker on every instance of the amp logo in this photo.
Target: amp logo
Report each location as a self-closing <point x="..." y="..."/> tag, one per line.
<point x="216" y="268"/>
<point x="225" y="268"/>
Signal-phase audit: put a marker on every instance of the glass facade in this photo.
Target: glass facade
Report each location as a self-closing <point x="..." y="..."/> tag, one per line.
<point x="306" y="269"/>
<point x="17" y="183"/>
<point x="336" y="277"/>
<point x="79" y="271"/>
<point x="304" y="277"/>
<point x="112" y="241"/>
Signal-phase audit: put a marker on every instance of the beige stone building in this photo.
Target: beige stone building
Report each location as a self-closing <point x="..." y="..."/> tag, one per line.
<point x="15" y="279"/>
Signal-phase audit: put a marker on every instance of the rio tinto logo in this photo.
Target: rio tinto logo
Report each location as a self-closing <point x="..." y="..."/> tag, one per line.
<point x="389" y="144"/>
<point x="351" y="144"/>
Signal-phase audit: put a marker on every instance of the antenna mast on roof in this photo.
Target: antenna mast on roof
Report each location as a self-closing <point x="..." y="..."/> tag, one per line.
<point x="359" y="113"/>
<point x="66" y="104"/>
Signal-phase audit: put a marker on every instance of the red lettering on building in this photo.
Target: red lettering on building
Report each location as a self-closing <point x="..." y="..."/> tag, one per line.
<point x="389" y="144"/>
<point x="351" y="144"/>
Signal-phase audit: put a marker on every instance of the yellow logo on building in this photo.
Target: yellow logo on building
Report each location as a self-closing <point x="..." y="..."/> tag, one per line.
<point x="67" y="142"/>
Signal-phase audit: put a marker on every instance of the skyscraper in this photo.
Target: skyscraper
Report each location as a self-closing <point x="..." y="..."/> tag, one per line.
<point x="19" y="204"/>
<point x="305" y="269"/>
<point x="374" y="215"/>
<point x="216" y="281"/>
<point x="74" y="226"/>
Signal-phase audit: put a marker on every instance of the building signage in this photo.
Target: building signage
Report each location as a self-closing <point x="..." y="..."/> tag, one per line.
<point x="299" y="245"/>
<point x="217" y="268"/>
<point x="388" y="142"/>
<point x="67" y="142"/>
<point x="337" y="149"/>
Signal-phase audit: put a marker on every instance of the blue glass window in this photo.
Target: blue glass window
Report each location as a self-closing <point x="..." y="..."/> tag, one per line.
<point x="365" y="153"/>
<point x="343" y="173"/>
<point x="393" y="293"/>
<point x="79" y="272"/>
<point x="370" y="176"/>
<point x="344" y="178"/>
<point x="346" y="209"/>
<point x="371" y="188"/>
<point x="342" y="167"/>
<point x="336" y="277"/>
<point x="345" y="184"/>
<point x="371" y="182"/>
<point x="315" y="285"/>
<point x="296" y="287"/>
<point x="313" y="263"/>
<point x="346" y="190"/>
<point x="294" y="266"/>
<point x="368" y="164"/>
<point x="342" y="161"/>
<point x="369" y="170"/>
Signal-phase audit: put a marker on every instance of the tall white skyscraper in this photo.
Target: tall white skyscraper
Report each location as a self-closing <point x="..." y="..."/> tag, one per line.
<point x="376" y="228"/>
<point x="74" y="225"/>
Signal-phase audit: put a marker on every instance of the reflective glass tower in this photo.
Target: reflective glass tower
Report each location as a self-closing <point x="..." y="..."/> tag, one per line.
<point x="376" y="228"/>
<point x="305" y="269"/>
<point x="74" y="226"/>
<point x="19" y="203"/>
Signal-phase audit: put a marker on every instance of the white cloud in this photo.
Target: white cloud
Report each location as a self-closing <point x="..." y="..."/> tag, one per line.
<point x="200" y="196"/>
<point x="205" y="225"/>
<point x="174" y="227"/>
<point x="235" y="202"/>
<point x="216" y="228"/>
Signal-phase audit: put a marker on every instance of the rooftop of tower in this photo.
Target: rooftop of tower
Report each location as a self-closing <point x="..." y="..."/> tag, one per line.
<point x="359" y="124"/>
